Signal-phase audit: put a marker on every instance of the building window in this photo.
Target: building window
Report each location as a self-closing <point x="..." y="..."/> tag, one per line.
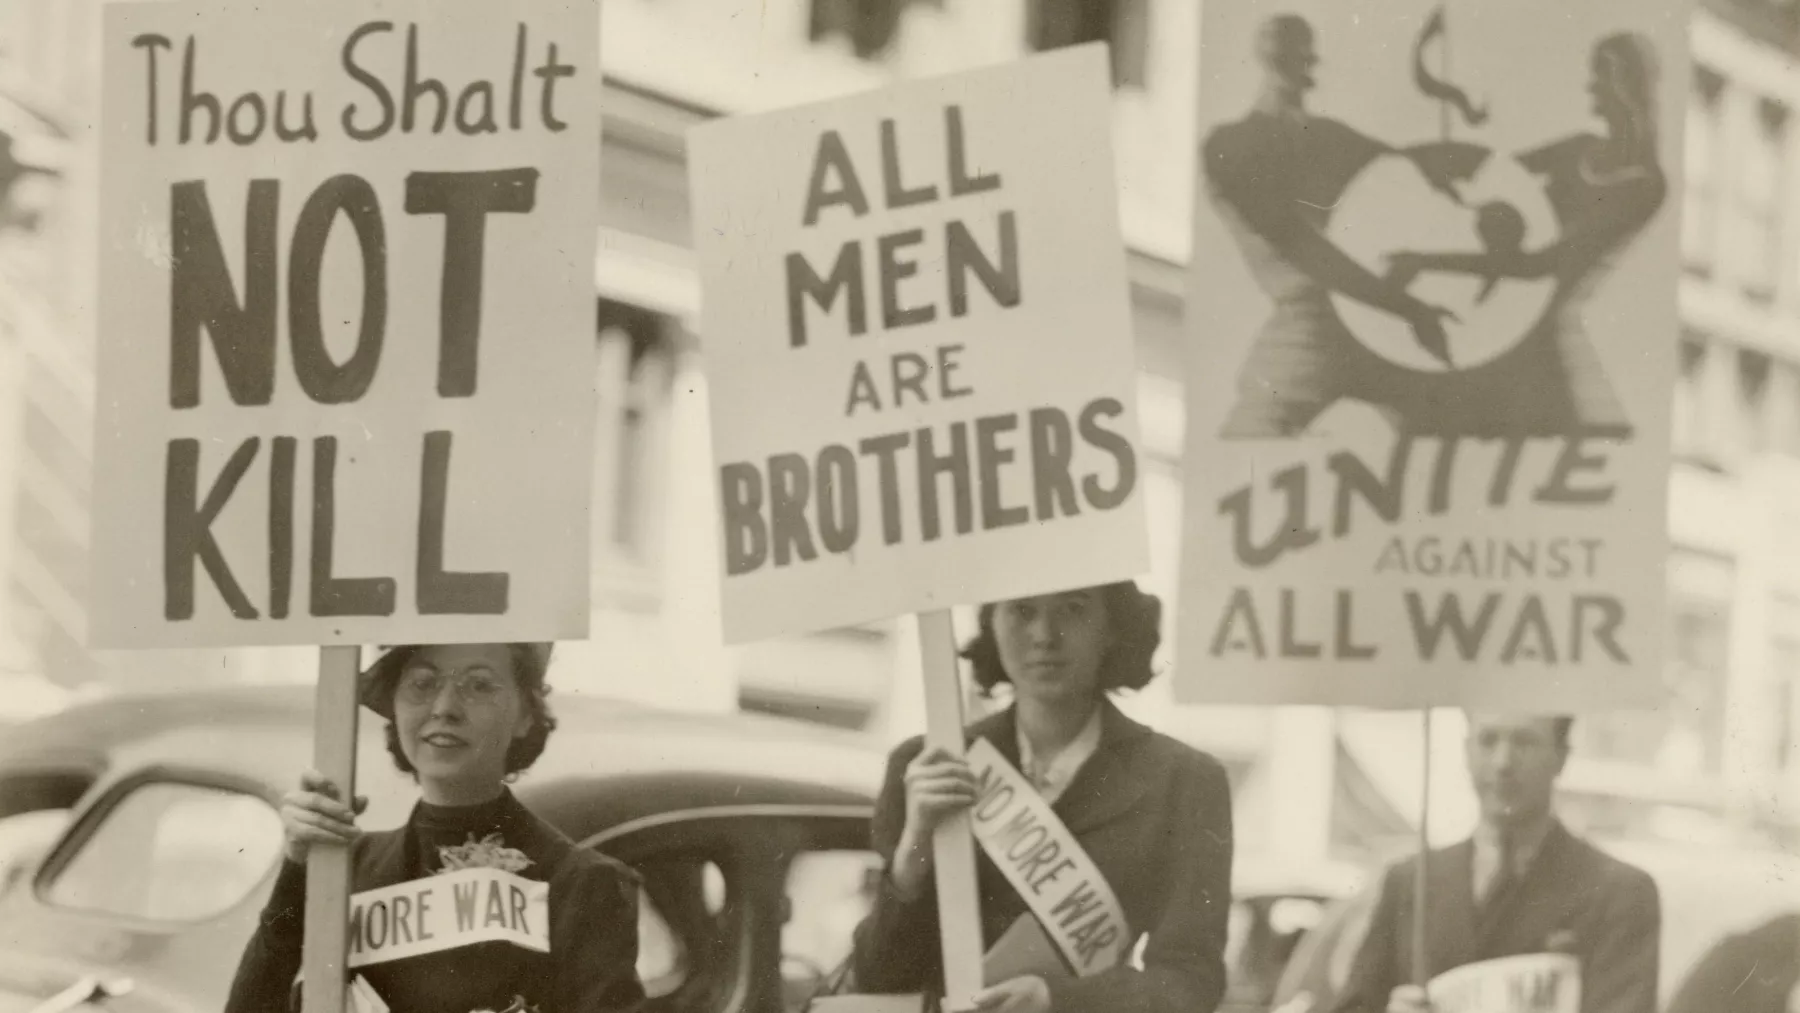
<point x="1700" y="222"/>
<point x="1123" y="24"/>
<point x="1753" y="399"/>
<point x="1686" y="424"/>
<point x="869" y="25"/>
<point x="1784" y="694"/>
<point x="633" y="383"/>
<point x="1759" y="194"/>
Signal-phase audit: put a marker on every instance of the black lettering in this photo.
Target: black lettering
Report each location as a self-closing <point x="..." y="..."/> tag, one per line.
<point x="307" y="130"/>
<point x="415" y="88"/>
<point x="961" y="182"/>
<point x="1530" y="637"/>
<point x="803" y="282"/>
<point x="150" y="42"/>
<point x="463" y="895"/>
<point x="1355" y="477"/>
<point x="378" y="925"/>
<point x="201" y="295"/>
<point x="862" y="390"/>
<point x="1052" y="447"/>
<point x="992" y="456"/>
<point x="1569" y="462"/>
<point x="849" y="192"/>
<point x="1500" y="489"/>
<point x="1290" y="646"/>
<point x="956" y="465"/>
<point x="746" y="536"/>
<point x="548" y="73"/>
<point x="896" y="192"/>
<point x="516" y="97"/>
<point x="1606" y="628"/>
<point x="911" y="378"/>
<point x="240" y="135"/>
<point x="441" y="591"/>
<point x="485" y="124"/>
<point x="192" y="100"/>
<point x="1346" y="647"/>
<point x="789" y="489"/>
<point x="963" y="255"/>
<point x="338" y="596"/>
<point x="281" y="525"/>
<point x="187" y="528"/>
<point x="840" y="515"/>
<point x="1427" y="633"/>
<point x="465" y="199"/>
<point x="1242" y="605"/>
<point x="402" y="919"/>
<point x="894" y="271"/>
<point x="1123" y="454"/>
<point x="517" y="896"/>
<point x="369" y="81"/>
<point x="1442" y="471"/>
<point x="1291" y="534"/>
<point x="324" y="380"/>
<point x="422" y="907"/>
<point x="947" y="367"/>
<point x="886" y="450"/>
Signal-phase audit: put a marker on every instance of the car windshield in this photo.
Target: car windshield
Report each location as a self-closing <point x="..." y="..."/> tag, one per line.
<point x="170" y="851"/>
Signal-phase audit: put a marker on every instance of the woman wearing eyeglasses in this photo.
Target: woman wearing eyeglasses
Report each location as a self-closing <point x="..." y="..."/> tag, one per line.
<point x="463" y="720"/>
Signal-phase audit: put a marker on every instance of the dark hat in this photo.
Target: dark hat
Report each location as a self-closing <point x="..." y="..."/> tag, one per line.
<point x="376" y="684"/>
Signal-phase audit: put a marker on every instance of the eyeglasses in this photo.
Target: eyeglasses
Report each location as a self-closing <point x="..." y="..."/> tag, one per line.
<point x="476" y="688"/>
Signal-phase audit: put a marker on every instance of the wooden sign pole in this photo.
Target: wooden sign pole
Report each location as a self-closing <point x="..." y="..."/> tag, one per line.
<point x="328" y="866"/>
<point x="953" y="846"/>
<point x="1421" y="954"/>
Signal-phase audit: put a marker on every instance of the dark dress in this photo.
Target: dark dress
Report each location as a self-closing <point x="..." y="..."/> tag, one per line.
<point x="1155" y="817"/>
<point x="591" y="966"/>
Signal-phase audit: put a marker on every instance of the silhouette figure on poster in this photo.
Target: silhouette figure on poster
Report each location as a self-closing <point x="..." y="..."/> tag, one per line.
<point x="1275" y="178"/>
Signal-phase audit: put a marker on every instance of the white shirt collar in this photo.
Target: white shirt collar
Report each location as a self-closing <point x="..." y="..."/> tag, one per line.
<point x="1052" y="777"/>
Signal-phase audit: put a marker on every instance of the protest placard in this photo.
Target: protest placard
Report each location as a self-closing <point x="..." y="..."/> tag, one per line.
<point x="1433" y="315"/>
<point x="919" y="348"/>
<point x="346" y="346"/>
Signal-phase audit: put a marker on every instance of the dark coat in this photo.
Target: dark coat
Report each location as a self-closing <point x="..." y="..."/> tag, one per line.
<point x="1573" y="899"/>
<point x="591" y="966"/>
<point x="1153" y="814"/>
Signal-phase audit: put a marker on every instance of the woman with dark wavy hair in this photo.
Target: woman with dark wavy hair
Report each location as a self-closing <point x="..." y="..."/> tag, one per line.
<point x="1153" y="814"/>
<point x="464" y="720"/>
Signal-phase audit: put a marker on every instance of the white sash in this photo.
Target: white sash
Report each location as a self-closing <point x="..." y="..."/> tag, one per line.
<point x="1042" y="860"/>
<point x="448" y="910"/>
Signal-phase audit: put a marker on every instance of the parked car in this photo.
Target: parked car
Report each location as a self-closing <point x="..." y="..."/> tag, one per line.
<point x="144" y="840"/>
<point x="751" y="834"/>
<point x="1709" y="896"/>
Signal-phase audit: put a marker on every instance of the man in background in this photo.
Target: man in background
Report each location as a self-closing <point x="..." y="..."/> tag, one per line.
<point x="1522" y="884"/>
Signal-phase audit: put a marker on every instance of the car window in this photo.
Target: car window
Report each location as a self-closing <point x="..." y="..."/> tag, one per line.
<point x="828" y="895"/>
<point x="662" y="963"/>
<point x="170" y="851"/>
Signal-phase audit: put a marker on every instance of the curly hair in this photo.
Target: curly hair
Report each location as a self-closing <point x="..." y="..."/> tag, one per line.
<point x="1134" y="626"/>
<point x="528" y="671"/>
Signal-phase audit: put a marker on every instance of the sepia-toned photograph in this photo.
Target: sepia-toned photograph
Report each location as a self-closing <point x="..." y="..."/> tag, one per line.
<point x="900" y="506"/>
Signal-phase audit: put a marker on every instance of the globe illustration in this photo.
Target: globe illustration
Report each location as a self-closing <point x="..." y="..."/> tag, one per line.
<point x="1391" y="208"/>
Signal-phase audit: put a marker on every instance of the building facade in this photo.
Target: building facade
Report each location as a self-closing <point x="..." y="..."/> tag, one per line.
<point x="1717" y="757"/>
